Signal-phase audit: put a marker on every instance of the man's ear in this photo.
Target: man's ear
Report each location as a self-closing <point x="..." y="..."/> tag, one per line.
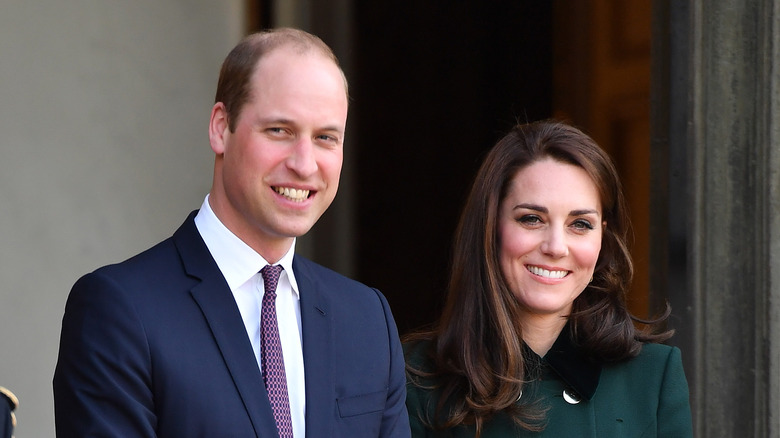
<point x="219" y="128"/>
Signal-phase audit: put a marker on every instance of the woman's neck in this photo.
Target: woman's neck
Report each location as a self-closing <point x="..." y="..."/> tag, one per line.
<point x="541" y="331"/>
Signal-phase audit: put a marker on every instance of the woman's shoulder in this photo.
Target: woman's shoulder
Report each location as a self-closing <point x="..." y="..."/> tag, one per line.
<point x="420" y="384"/>
<point x="658" y="353"/>
<point x="653" y="362"/>
<point x="420" y="369"/>
<point x="420" y="365"/>
<point x="418" y="353"/>
<point x="646" y="392"/>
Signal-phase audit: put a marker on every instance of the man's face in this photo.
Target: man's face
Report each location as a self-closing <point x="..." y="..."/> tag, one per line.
<point x="279" y="171"/>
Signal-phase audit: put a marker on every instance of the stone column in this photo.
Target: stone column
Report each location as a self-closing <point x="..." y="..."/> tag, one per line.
<point x="716" y="205"/>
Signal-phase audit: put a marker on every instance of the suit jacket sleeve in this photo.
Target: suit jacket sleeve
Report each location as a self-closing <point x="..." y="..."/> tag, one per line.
<point x="102" y="383"/>
<point x="395" y="421"/>
<point x="5" y="420"/>
<point x="674" y="411"/>
<point x="7" y="405"/>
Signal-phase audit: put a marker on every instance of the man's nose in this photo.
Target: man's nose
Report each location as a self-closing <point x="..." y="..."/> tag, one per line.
<point x="302" y="160"/>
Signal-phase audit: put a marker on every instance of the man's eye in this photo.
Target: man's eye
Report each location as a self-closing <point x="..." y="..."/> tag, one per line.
<point x="325" y="137"/>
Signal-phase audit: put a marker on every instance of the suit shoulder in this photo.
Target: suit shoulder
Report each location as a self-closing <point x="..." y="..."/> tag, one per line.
<point x="326" y="275"/>
<point x="340" y="292"/>
<point x="152" y="258"/>
<point x="144" y="274"/>
<point x="162" y="255"/>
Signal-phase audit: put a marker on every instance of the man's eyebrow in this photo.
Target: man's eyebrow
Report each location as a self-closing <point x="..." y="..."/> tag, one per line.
<point x="286" y="121"/>
<point x="279" y="120"/>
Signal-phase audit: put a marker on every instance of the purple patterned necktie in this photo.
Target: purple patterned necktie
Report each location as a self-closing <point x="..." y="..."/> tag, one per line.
<point x="271" y="357"/>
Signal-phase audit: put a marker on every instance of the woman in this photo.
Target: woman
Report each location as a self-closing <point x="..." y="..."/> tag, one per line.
<point x="535" y="338"/>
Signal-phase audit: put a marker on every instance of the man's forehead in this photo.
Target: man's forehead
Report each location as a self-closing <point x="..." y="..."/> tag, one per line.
<point x="288" y="56"/>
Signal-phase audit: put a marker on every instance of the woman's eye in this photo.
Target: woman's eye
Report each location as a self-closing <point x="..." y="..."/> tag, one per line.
<point x="529" y="219"/>
<point x="582" y="224"/>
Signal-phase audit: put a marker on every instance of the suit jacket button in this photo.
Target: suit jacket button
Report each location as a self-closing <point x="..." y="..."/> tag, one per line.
<point x="571" y="397"/>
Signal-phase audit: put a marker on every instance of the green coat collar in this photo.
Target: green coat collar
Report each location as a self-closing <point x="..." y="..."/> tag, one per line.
<point x="577" y="370"/>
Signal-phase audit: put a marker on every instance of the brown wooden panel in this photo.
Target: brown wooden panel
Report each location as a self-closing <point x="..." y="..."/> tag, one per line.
<point x="631" y="29"/>
<point x="602" y="84"/>
<point x="629" y="139"/>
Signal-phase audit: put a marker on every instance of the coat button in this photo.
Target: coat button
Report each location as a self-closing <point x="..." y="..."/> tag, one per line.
<point x="571" y="397"/>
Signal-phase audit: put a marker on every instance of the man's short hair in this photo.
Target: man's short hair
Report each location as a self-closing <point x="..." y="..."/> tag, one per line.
<point x="235" y="77"/>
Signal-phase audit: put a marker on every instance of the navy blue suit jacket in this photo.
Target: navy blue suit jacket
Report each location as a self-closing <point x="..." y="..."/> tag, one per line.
<point x="155" y="347"/>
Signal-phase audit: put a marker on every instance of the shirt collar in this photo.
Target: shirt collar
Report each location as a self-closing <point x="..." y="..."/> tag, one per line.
<point x="287" y="263"/>
<point x="237" y="261"/>
<point x="573" y="367"/>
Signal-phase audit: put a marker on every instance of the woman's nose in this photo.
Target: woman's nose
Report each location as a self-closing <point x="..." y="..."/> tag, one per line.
<point x="554" y="244"/>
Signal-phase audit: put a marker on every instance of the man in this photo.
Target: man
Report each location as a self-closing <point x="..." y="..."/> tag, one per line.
<point x="182" y="340"/>
<point x="8" y="403"/>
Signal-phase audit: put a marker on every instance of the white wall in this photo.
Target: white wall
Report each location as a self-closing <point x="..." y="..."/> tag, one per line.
<point x="104" y="106"/>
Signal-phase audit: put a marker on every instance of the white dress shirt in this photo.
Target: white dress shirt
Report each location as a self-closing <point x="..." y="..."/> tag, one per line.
<point x="241" y="265"/>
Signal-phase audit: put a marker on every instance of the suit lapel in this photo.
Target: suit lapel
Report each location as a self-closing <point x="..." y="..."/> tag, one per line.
<point x="220" y="311"/>
<point x="317" y="332"/>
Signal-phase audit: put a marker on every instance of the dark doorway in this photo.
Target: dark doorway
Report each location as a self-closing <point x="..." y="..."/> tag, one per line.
<point x="434" y="85"/>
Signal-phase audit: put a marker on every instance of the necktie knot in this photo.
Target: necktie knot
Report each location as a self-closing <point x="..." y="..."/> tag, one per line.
<point x="271" y="274"/>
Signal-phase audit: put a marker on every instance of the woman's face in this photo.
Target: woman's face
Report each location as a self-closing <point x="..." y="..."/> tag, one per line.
<point x="550" y="227"/>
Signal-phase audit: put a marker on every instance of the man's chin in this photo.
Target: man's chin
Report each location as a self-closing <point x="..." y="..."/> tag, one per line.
<point x="295" y="231"/>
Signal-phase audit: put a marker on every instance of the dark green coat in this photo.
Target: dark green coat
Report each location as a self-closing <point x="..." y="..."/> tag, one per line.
<point x="646" y="396"/>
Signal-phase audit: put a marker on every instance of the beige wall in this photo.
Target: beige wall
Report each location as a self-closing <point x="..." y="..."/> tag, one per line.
<point x="103" y="151"/>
